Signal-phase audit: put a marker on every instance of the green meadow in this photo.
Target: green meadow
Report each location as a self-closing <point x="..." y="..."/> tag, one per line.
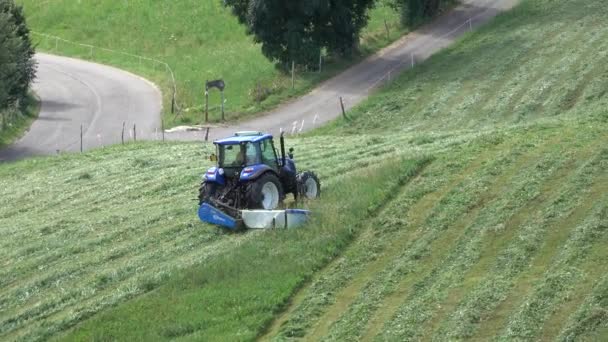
<point x="468" y="199"/>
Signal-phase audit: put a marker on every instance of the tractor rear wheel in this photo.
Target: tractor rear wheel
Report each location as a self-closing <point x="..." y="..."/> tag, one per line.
<point x="309" y="186"/>
<point x="206" y="192"/>
<point x="265" y="192"/>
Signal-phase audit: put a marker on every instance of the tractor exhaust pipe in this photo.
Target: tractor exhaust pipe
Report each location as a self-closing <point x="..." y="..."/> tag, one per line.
<point x="284" y="161"/>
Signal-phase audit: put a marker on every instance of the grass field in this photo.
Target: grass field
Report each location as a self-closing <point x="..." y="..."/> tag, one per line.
<point x="467" y="200"/>
<point x="200" y="40"/>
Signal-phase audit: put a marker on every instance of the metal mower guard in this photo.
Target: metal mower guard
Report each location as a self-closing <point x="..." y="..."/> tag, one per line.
<point x="254" y="219"/>
<point x="210" y="214"/>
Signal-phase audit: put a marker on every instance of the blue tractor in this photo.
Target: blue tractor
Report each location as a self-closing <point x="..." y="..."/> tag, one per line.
<point x="251" y="174"/>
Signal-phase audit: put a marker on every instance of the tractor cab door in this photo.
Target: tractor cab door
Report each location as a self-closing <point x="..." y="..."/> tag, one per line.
<point x="269" y="155"/>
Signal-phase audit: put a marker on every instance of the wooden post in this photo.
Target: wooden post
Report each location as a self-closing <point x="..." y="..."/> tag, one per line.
<point x="173" y="103"/>
<point x="207" y="133"/>
<point x="80" y="138"/>
<point x="122" y="137"/>
<point x="223" y="118"/>
<point x="162" y="128"/>
<point x="206" y="103"/>
<point x="293" y="75"/>
<point x="320" y="60"/>
<point x="388" y="34"/>
<point x="343" y="110"/>
<point x="134" y="133"/>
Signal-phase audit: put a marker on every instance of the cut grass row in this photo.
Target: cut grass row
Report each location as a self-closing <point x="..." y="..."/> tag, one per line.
<point x="128" y="238"/>
<point x="436" y="259"/>
<point x="495" y="177"/>
<point x="239" y="291"/>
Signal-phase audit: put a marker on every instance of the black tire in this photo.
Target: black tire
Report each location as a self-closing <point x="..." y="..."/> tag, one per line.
<point x="206" y="192"/>
<point x="254" y="192"/>
<point x="309" y="186"/>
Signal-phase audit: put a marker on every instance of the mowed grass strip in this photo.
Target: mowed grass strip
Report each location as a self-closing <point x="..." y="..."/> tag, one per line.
<point x="438" y="260"/>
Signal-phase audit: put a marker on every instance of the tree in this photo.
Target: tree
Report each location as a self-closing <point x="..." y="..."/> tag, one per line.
<point x="18" y="68"/>
<point x="298" y="30"/>
<point x="415" y="11"/>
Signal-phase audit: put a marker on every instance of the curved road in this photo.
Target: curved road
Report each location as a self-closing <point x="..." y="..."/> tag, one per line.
<point x="100" y="98"/>
<point x="75" y="92"/>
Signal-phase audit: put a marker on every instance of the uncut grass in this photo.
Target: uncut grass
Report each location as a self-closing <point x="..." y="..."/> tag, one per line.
<point x="200" y="40"/>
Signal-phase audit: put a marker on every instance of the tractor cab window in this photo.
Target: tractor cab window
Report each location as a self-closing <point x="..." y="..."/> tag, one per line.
<point x="238" y="155"/>
<point x="269" y="156"/>
<point x="252" y="155"/>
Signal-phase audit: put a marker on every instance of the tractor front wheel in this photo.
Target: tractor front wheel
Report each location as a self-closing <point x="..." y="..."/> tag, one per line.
<point x="265" y="192"/>
<point x="309" y="186"/>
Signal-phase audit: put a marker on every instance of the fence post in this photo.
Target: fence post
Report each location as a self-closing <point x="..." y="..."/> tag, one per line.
<point x="122" y="136"/>
<point x="173" y="103"/>
<point x="207" y="133"/>
<point x="223" y="118"/>
<point x="343" y="110"/>
<point x="388" y="34"/>
<point x="293" y="75"/>
<point x="162" y="128"/>
<point x="413" y="61"/>
<point x="206" y="102"/>
<point x="320" y="60"/>
<point x="134" y="133"/>
<point x="80" y="138"/>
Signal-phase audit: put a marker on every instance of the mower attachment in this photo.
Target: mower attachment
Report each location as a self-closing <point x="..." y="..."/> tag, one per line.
<point x="210" y="214"/>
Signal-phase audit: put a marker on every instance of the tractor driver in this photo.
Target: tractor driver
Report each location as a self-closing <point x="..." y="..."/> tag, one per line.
<point x="247" y="155"/>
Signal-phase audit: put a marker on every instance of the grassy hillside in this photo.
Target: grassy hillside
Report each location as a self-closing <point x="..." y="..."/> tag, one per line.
<point x="469" y="199"/>
<point x="200" y="40"/>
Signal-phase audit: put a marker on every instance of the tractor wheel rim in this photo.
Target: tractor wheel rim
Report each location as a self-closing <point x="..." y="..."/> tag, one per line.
<point x="270" y="196"/>
<point x="311" y="188"/>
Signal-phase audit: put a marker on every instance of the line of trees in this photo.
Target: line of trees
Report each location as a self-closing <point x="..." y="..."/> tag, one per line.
<point x="17" y="66"/>
<point x="297" y="31"/>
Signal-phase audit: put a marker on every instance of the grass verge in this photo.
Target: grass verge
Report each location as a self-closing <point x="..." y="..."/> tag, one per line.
<point x="19" y="121"/>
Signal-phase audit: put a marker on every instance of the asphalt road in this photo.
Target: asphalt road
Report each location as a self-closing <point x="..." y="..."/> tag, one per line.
<point x="355" y="84"/>
<point x="100" y="98"/>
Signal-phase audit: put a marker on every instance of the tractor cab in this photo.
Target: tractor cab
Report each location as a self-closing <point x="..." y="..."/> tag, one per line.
<point x="246" y="155"/>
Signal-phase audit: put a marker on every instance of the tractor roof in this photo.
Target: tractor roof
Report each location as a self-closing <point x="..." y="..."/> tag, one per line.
<point x="241" y="137"/>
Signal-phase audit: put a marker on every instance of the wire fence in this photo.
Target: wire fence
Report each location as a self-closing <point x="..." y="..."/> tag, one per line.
<point x="56" y="43"/>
